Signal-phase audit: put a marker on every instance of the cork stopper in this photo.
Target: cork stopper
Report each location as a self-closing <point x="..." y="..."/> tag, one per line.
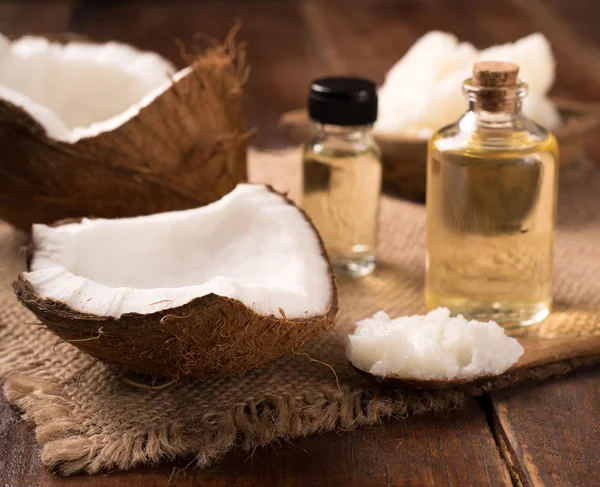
<point x="496" y="80"/>
<point x="494" y="74"/>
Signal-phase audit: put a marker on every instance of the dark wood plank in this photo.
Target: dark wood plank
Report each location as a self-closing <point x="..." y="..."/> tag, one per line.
<point x="550" y="433"/>
<point x="454" y="449"/>
<point x="575" y="39"/>
<point x="570" y="27"/>
<point x="579" y="15"/>
<point x="17" y="18"/>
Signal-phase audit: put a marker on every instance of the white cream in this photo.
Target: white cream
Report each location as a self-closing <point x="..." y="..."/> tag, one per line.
<point x="422" y="92"/>
<point x="431" y="346"/>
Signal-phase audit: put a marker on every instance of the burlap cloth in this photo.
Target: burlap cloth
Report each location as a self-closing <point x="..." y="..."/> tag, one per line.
<point x="87" y="418"/>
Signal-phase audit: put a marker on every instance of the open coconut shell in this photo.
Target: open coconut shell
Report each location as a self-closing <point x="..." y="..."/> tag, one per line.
<point x="405" y="159"/>
<point x="209" y="336"/>
<point x="185" y="148"/>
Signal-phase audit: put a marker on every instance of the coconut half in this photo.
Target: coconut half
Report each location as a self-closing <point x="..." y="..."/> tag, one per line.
<point x="209" y="292"/>
<point x="110" y="131"/>
<point x="77" y="90"/>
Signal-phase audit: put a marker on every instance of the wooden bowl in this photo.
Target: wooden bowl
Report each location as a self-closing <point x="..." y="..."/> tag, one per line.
<point x="405" y="158"/>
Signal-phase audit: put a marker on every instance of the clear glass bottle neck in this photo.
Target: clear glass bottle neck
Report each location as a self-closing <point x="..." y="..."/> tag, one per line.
<point x="492" y="106"/>
<point x="352" y="133"/>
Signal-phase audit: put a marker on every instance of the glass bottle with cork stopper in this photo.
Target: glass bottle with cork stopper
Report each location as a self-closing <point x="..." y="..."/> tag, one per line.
<point x="491" y="203"/>
<point x="342" y="172"/>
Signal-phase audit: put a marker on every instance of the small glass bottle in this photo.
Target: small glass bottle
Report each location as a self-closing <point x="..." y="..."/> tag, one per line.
<point x="342" y="172"/>
<point x="491" y="205"/>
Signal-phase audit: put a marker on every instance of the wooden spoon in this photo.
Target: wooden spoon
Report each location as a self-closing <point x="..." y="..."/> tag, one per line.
<point x="538" y="351"/>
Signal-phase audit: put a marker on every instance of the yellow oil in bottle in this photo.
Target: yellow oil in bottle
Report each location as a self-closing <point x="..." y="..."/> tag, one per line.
<point x="341" y="195"/>
<point x="490" y="227"/>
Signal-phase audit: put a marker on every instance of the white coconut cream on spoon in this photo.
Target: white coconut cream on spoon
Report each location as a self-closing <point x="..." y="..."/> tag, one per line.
<point x="431" y="348"/>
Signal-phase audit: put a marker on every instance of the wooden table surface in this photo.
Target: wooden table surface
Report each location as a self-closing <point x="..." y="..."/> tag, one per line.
<point x="547" y="434"/>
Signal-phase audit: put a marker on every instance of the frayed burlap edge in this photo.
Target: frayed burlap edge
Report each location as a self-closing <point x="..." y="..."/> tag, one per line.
<point x="67" y="450"/>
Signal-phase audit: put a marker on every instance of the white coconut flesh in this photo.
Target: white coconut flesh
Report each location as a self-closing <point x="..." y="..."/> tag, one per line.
<point x="79" y="90"/>
<point x="434" y="346"/>
<point x="423" y="91"/>
<point x="252" y="245"/>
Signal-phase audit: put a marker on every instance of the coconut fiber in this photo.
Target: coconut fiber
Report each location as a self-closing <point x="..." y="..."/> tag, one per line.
<point x="87" y="418"/>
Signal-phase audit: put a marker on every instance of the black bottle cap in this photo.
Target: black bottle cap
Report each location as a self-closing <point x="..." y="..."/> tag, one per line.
<point x="343" y="101"/>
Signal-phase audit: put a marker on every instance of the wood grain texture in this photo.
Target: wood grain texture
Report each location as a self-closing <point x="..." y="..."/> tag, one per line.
<point x="577" y="16"/>
<point x="18" y="18"/>
<point x="548" y="432"/>
<point x="452" y="448"/>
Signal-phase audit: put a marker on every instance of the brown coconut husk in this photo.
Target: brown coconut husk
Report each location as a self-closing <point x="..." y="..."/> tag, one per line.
<point x="185" y="149"/>
<point x="211" y="336"/>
